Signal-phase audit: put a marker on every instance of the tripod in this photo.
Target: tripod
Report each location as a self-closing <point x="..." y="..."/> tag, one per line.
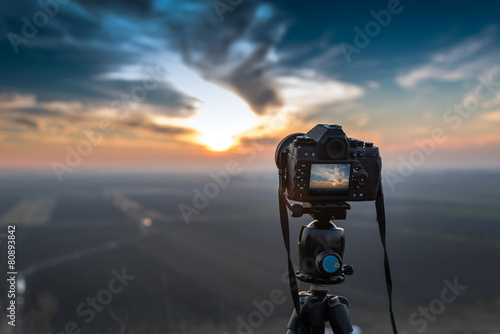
<point x="321" y="247"/>
<point x="317" y="307"/>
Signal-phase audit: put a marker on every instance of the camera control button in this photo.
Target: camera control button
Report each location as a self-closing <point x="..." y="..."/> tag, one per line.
<point x="353" y="142"/>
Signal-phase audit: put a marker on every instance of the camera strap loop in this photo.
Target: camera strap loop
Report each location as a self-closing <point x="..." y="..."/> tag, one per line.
<point x="380" y="208"/>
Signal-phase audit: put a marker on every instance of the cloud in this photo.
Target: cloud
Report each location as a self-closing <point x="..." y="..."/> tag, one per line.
<point x="251" y="83"/>
<point x="493" y="116"/>
<point x="29" y="122"/>
<point x="17" y="101"/>
<point x="461" y="61"/>
<point x="239" y="55"/>
<point x="305" y="89"/>
<point x="83" y="62"/>
<point x="71" y="117"/>
<point x="144" y="123"/>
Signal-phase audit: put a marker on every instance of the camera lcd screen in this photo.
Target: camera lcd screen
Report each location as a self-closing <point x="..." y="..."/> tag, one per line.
<point x="329" y="179"/>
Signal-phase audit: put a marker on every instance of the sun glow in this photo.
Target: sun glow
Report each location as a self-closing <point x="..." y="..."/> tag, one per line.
<point x="216" y="142"/>
<point x="221" y="115"/>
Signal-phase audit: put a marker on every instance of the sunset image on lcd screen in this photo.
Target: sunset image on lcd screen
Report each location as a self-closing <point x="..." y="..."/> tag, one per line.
<point x="329" y="179"/>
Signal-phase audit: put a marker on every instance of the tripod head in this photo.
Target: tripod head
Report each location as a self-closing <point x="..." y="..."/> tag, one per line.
<point x="321" y="243"/>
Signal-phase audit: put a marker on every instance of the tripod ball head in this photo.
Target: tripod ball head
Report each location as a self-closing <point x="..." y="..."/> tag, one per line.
<point x="321" y="247"/>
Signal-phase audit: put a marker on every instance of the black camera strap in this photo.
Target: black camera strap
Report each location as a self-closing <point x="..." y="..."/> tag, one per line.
<point x="285" y="230"/>
<point x="291" y="271"/>
<point x="380" y="208"/>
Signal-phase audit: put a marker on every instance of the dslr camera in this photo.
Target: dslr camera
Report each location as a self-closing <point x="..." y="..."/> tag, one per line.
<point x="325" y="166"/>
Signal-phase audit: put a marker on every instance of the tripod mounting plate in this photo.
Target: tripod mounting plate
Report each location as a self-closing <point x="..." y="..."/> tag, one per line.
<point x="320" y="211"/>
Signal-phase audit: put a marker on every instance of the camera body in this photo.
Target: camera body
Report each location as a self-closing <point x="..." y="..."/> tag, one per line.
<point x="324" y="166"/>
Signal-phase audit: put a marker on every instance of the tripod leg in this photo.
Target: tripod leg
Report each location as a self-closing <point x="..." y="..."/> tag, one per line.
<point x="338" y="315"/>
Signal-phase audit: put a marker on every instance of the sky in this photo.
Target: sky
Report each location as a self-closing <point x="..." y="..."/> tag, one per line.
<point x="192" y="84"/>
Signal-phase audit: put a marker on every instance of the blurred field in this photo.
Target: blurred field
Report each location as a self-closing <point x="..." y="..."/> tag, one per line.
<point x="204" y="276"/>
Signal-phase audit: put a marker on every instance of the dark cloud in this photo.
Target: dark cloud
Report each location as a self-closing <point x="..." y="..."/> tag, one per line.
<point x="167" y="99"/>
<point x="208" y="45"/>
<point x="250" y="82"/>
<point x="31" y="123"/>
<point x="73" y="73"/>
<point x="38" y="111"/>
<point x="66" y="59"/>
<point x="82" y="42"/>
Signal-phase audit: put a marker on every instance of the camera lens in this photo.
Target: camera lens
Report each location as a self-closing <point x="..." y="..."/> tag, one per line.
<point x="336" y="148"/>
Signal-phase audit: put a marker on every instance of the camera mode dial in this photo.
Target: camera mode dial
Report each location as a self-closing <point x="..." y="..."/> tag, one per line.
<point x="303" y="141"/>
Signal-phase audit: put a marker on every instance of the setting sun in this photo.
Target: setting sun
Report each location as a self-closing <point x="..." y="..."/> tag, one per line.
<point x="217" y="142"/>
